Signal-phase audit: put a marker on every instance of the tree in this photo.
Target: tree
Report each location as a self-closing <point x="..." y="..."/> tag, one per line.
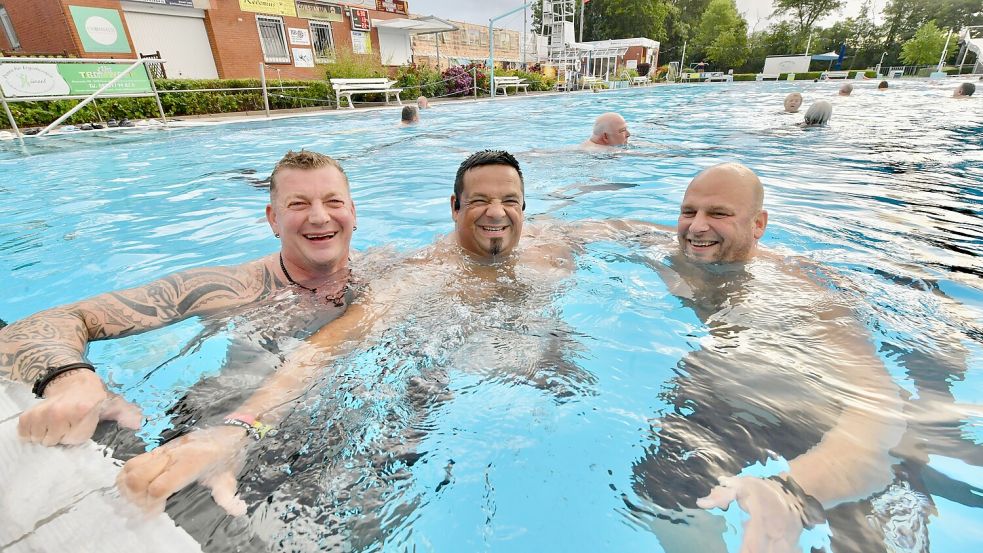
<point x="612" y="19"/>
<point x="806" y="12"/>
<point x="925" y="47"/>
<point x="722" y="34"/>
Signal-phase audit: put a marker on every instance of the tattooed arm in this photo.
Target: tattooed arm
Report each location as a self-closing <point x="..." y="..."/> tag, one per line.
<point x="59" y="336"/>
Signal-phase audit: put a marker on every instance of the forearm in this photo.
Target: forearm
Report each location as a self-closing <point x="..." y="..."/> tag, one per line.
<point x="852" y="460"/>
<point x="51" y="338"/>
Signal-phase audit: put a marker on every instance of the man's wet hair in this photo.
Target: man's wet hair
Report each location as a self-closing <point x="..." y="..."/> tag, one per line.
<point x="882" y="84"/>
<point x="306" y="160"/>
<point x="480" y="159"/>
<point x="967" y="89"/>
<point x="409" y="114"/>
<point x="819" y="113"/>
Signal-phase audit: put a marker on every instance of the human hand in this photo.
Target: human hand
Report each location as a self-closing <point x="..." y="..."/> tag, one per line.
<point x="73" y="405"/>
<point x="212" y="457"/>
<point x="775" y="518"/>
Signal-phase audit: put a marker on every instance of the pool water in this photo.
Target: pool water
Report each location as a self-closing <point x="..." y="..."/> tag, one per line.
<point x="557" y="415"/>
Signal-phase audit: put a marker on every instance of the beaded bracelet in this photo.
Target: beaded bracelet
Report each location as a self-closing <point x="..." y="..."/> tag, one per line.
<point x="51" y="373"/>
<point x="253" y="427"/>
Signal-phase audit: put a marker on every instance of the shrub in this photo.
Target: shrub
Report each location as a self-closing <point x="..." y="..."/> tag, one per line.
<point x="643" y="69"/>
<point x="421" y="81"/>
<point x="460" y="82"/>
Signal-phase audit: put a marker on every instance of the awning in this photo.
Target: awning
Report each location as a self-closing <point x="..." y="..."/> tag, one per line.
<point x="828" y="56"/>
<point x="421" y="26"/>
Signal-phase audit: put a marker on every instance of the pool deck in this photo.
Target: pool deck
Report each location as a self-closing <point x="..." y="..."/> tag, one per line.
<point x="65" y="498"/>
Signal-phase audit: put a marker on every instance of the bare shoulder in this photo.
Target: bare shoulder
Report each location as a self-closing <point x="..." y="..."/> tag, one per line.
<point x="178" y="296"/>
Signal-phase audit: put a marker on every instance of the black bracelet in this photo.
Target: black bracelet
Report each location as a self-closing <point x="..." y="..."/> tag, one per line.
<point x="813" y="512"/>
<point x="52" y="372"/>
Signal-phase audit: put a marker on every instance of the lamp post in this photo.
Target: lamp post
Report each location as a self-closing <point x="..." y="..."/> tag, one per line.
<point x="878" y="70"/>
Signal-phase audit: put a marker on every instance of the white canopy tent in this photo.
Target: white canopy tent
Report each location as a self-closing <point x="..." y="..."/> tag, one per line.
<point x="394" y="36"/>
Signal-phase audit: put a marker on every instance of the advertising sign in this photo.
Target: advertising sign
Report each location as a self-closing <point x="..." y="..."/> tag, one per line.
<point x="303" y="57"/>
<point x="271" y="7"/>
<point x="320" y="10"/>
<point x="21" y="80"/>
<point x="100" y="29"/>
<point x="361" y="42"/>
<point x="182" y="3"/>
<point x="301" y="37"/>
<point x="360" y="19"/>
<point x="391" y="6"/>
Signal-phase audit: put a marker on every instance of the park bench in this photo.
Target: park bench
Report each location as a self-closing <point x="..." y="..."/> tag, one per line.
<point x="834" y="75"/>
<point x="639" y="81"/>
<point x="345" y="88"/>
<point x="767" y="76"/>
<point x="717" y="76"/>
<point x="503" y="83"/>
<point x="592" y="83"/>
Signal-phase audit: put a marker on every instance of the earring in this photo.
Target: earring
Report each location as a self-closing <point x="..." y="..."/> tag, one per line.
<point x="276" y="234"/>
<point x="354" y="228"/>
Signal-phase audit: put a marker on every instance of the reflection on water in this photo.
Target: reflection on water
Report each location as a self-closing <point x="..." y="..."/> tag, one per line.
<point x="581" y="414"/>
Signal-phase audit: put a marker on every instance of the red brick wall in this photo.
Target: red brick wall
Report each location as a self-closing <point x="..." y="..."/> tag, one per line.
<point x="41" y="26"/>
<point x="234" y="38"/>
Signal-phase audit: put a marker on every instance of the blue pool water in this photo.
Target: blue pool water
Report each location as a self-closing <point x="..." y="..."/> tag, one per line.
<point x="542" y="418"/>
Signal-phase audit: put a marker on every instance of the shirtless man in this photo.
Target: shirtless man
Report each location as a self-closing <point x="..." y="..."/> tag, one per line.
<point x="310" y="211"/>
<point x="610" y="131"/>
<point x="742" y="399"/>
<point x="467" y="266"/>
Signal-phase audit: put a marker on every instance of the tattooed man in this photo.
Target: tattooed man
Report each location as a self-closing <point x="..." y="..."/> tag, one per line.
<point x="310" y="211"/>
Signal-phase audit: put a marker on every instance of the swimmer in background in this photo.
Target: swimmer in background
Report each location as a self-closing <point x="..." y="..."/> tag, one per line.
<point x="846" y="89"/>
<point x="882" y="85"/>
<point x="409" y="116"/>
<point x="610" y="132"/>
<point x="818" y="114"/>
<point x="964" y="90"/>
<point x="422" y="103"/>
<point x="793" y="102"/>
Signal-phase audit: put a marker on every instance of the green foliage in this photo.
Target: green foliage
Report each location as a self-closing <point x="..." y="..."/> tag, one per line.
<point x="613" y="19"/>
<point x="421" y="81"/>
<point x="806" y="12"/>
<point x="32" y="114"/>
<point x="722" y="34"/>
<point x="811" y="75"/>
<point x="925" y="47"/>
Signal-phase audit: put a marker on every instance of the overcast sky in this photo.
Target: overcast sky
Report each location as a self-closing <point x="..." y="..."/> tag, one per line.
<point x="479" y="11"/>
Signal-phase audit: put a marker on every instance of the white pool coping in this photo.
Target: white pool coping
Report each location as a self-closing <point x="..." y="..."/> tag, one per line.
<point x="65" y="498"/>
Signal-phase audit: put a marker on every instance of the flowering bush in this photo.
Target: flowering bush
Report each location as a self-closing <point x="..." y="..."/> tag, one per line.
<point x="459" y="81"/>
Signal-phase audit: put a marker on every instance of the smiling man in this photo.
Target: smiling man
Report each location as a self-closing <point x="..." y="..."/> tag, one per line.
<point x="722" y="217"/>
<point x="310" y="211"/>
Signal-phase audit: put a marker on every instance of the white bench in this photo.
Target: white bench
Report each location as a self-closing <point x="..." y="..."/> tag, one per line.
<point x="503" y="83"/>
<point x="639" y="81"/>
<point x="767" y="76"/>
<point x="718" y="76"/>
<point x="591" y="82"/>
<point x="344" y="88"/>
<point x="834" y="75"/>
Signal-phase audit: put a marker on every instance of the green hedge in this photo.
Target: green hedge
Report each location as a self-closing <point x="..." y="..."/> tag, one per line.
<point x="33" y="114"/>
<point x="808" y="76"/>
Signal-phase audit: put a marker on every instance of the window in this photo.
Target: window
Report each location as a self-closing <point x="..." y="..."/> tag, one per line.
<point x="273" y="39"/>
<point x="8" y="28"/>
<point x="322" y="41"/>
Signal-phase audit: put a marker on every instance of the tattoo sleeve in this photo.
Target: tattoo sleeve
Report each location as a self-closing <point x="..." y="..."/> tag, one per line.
<point x="59" y="336"/>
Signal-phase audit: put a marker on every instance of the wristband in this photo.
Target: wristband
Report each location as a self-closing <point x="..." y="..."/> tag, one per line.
<point x="253" y="427"/>
<point x="51" y="373"/>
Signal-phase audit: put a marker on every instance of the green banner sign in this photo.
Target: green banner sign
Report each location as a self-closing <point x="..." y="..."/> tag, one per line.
<point x="100" y="29"/>
<point x="23" y="80"/>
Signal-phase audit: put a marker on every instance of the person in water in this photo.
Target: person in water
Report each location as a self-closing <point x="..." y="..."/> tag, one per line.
<point x="793" y="102"/>
<point x="492" y="255"/>
<point x="785" y="370"/>
<point x="610" y="131"/>
<point x="310" y="211"/>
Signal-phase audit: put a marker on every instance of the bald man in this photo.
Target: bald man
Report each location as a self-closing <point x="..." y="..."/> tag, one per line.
<point x="610" y="131"/>
<point x="726" y="420"/>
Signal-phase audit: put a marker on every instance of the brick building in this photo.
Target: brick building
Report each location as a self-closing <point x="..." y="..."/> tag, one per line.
<point x="469" y="43"/>
<point x="203" y="38"/>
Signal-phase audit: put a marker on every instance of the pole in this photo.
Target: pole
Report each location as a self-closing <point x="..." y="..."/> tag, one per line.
<point x="491" y="58"/>
<point x="582" y="3"/>
<point x="10" y="116"/>
<point x="474" y="81"/>
<point x="880" y="62"/>
<point x="945" y="50"/>
<point x="85" y="102"/>
<point x="437" y="38"/>
<point x="491" y="46"/>
<point x="525" y="19"/>
<point x="266" y="98"/>
<point x="808" y="44"/>
<point x="682" y="59"/>
<point x="153" y="87"/>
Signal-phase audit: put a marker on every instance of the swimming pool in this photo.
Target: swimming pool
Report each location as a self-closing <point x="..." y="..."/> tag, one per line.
<point x="554" y="456"/>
